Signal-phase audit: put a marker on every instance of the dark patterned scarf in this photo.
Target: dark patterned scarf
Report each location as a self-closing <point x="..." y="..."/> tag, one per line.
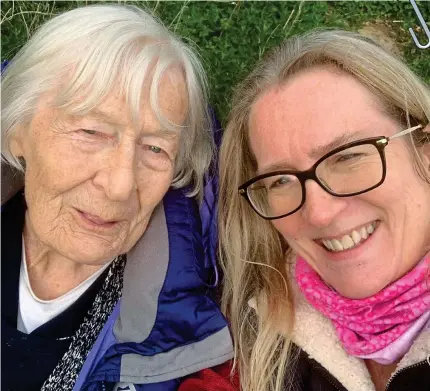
<point x="67" y="370"/>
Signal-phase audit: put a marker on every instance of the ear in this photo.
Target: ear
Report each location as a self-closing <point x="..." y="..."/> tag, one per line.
<point x="16" y="143"/>
<point x="425" y="149"/>
<point x="12" y="180"/>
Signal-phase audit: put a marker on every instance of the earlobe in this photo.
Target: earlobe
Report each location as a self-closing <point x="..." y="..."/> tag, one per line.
<point x="15" y="145"/>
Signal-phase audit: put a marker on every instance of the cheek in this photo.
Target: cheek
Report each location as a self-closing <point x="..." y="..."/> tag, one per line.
<point x="56" y="166"/>
<point x="288" y="227"/>
<point x="152" y="186"/>
<point x="400" y="189"/>
<point x="401" y="174"/>
<point x="52" y="160"/>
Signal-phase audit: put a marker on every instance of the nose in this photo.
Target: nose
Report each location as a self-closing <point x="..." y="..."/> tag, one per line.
<point x="321" y="208"/>
<point x="118" y="177"/>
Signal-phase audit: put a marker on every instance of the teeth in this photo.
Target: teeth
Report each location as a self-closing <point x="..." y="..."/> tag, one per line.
<point x="347" y="242"/>
<point x="356" y="237"/>
<point x="328" y="244"/>
<point x="363" y="233"/>
<point x="337" y="245"/>
<point x="351" y="240"/>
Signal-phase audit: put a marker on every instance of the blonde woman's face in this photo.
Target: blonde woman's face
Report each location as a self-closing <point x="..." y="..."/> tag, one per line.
<point x="287" y="125"/>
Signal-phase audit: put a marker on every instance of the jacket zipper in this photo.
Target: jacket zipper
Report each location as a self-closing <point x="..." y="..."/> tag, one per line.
<point x="418" y="364"/>
<point x="327" y="375"/>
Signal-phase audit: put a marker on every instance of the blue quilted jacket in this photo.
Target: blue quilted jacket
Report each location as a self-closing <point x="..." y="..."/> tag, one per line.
<point x="166" y="324"/>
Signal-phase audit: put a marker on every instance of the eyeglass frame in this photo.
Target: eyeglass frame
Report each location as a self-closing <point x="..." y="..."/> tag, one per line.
<point x="379" y="142"/>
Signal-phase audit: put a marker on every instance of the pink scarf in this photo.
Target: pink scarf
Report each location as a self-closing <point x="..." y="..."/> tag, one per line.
<point x="369" y="327"/>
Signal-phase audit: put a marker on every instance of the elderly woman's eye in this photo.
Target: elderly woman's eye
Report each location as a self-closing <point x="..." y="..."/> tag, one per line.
<point x="153" y="152"/>
<point x="90" y="132"/>
<point x="155" y="149"/>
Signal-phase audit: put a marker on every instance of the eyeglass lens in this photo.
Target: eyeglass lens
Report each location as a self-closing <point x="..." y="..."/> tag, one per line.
<point x="352" y="170"/>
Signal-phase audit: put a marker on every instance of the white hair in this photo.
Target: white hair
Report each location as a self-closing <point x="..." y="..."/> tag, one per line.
<point x="94" y="48"/>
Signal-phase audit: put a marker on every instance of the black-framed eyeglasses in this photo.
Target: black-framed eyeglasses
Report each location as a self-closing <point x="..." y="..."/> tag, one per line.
<point x="349" y="170"/>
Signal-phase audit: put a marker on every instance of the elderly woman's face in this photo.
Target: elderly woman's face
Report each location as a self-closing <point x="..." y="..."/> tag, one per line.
<point x="289" y="122"/>
<point x="92" y="182"/>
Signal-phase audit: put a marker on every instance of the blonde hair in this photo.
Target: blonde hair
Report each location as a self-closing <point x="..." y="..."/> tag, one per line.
<point x="252" y="252"/>
<point x="95" y="49"/>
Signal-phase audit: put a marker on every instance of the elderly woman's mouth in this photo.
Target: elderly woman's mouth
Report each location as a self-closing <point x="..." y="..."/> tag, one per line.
<point x="351" y="240"/>
<point x="96" y="220"/>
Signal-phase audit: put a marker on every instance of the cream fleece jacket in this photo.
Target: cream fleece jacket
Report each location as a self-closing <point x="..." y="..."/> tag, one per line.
<point x="316" y="335"/>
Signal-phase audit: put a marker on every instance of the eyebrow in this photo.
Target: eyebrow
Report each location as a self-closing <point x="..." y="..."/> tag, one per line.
<point x="105" y="117"/>
<point x="343" y="139"/>
<point x="162" y="133"/>
<point x="316" y="152"/>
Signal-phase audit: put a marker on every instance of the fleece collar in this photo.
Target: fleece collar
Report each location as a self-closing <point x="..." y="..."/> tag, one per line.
<point x="316" y="335"/>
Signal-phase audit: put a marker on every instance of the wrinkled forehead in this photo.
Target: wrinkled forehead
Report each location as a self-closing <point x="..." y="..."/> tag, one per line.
<point x="160" y="94"/>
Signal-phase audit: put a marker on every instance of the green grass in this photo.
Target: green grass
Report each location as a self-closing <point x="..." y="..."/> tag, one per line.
<point x="232" y="36"/>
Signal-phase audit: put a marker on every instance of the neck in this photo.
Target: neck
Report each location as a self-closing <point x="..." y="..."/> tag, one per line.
<point x="51" y="274"/>
<point x="380" y="373"/>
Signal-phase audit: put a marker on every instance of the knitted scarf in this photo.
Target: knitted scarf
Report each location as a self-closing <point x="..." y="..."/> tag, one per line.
<point x="381" y="327"/>
<point x="67" y="370"/>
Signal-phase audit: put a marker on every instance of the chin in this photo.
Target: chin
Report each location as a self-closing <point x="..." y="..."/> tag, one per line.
<point x="354" y="291"/>
<point x="93" y="261"/>
<point x="94" y="255"/>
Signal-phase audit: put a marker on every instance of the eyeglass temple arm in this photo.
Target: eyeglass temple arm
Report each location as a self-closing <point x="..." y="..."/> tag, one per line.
<point x="403" y="132"/>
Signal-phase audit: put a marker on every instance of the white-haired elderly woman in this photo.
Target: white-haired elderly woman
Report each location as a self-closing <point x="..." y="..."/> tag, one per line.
<point x="105" y="271"/>
<point x="325" y="220"/>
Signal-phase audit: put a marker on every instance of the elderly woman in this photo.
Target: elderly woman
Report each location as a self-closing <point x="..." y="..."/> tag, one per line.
<point x="325" y="220"/>
<point x="103" y="111"/>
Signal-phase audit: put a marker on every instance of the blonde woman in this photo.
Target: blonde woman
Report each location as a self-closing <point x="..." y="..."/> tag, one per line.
<point x="325" y="219"/>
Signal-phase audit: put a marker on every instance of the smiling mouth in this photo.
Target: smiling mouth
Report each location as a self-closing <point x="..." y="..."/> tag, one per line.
<point x="346" y="242"/>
